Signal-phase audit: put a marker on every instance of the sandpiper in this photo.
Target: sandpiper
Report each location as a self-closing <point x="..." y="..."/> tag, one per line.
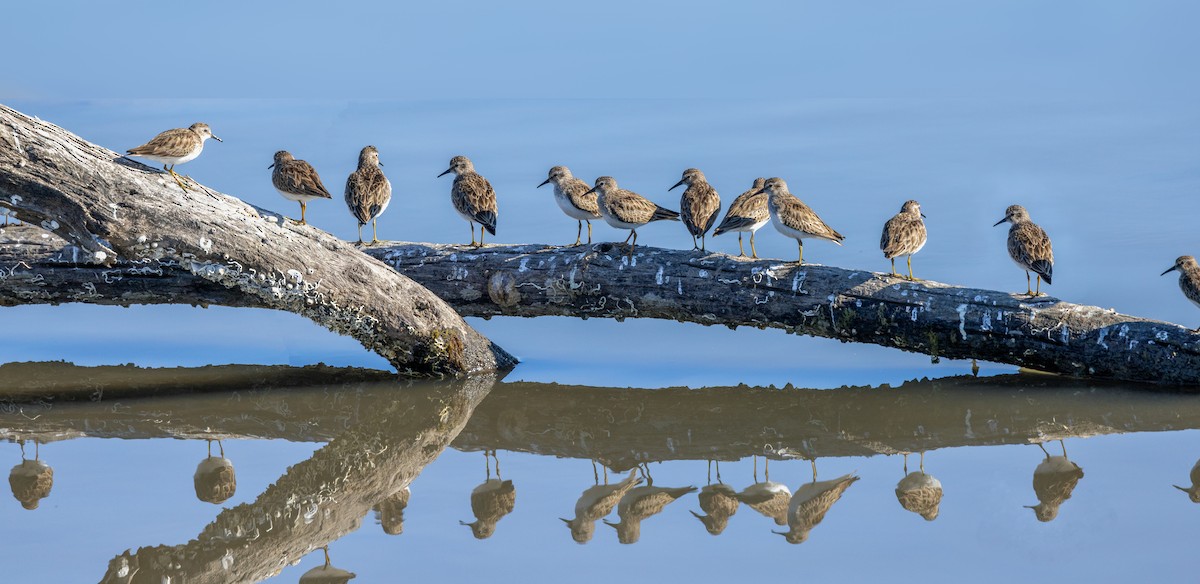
<point x="1194" y="490"/>
<point x="215" y="480"/>
<point x="641" y="503"/>
<point x="1029" y="247"/>
<point x="747" y="213"/>
<point x="699" y="206"/>
<point x="1053" y="482"/>
<point x="919" y="492"/>
<point x="31" y="480"/>
<point x="297" y="181"/>
<point x="596" y="503"/>
<point x="175" y="146"/>
<point x="768" y="498"/>
<point x="473" y="197"/>
<point x="625" y="209"/>
<point x="810" y="504"/>
<point x="490" y="501"/>
<point x="1189" y="278"/>
<point x="719" y="502"/>
<point x="904" y="235"/>
<point x="795" y="219"/>
<point x="368" y="192"/>
<point x="574" y="198"/>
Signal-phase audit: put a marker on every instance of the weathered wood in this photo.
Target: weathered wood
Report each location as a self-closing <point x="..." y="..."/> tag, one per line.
<point x="127" y="220"/>
<point x="939" y="320"/>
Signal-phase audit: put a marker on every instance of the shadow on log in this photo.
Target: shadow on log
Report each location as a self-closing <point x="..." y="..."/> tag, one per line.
<point x="127" y="221"/>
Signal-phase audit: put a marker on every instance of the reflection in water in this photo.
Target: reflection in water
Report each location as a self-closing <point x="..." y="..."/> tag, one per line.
<point x="390" y="512"/>
<point x="326" y="574"/>
<point x="1053" y="481"/>
<point x="643" y="502"/>
<point x="919" y="492"/>
<point x="215" y="480"/>
<point x="1193" y="491"/>
<point x="719" y="501"/>
<point x="596" y="503"/>
<point x="768" y="498"/>
<point x="491" y="501"/>
<point x="31" y="480"/>
<point x="811" y="502"/>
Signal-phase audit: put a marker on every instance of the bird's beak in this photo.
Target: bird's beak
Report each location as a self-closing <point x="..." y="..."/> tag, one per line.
<point x="783" y="533"/>
<point x="590" y="191"/>
<point x="543" y="183"/>
<point x="1182" y="489"/>
<point x="610" y="524"/>
<point x="760" y="191"/>
<point x="924" y="217"/>
<point x="567" y="521"/>
<point x="272" y="165"/>
<point x="676" y="184"/>
<point x="464" y="523"/>
<point x="1169" y="270"/>
<point x="445" y="173"/>
<point x="696" y="515"/>
<point x="380" y="163"/>
<point x="1029" y="506"/>
<point x="1000" y="221"/>
<point x="217" y="139"/>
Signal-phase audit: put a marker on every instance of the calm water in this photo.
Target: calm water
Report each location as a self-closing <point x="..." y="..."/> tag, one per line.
<point x="322" y="465"/>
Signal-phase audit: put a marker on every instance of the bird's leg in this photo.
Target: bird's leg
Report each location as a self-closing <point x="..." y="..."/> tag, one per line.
<point x="497" y="459"/>
<point x="719" y="473"/>
<point x="741" y="250"/>
<point x="360" y="241"/>
<point x="178" y="180"/>
<point x="754" y="468"/>
<point x="814" y="465"/>
<point x="922" y="461"/>
<point x="605" y="473"/>
<point x="595" y="473"/>
<point x="374" y="231"/>
<point x="694" y="244"/>
<point x="326" y="548"/>
<point x="221" y="447"/>
<point x="646" y="471"/>
<point x="766" y="469"/>
<point x="1043" y="449"/>
<point x="589" y="232"/>
<point x="482" y="230"/>
<point x="209" y="448"/>
<point x="487" y="464"/>
<point x="472" y="232"/>
<point x="753" y="252"/>
<point x="1028" y="288"/>
<point x="579" y="233"/>
<point x="910" y="274"/>
<point x="702" y="236"/>
<point x="1038" y="292"/>
<point x="905" y="464"/>
<point x="894" y="268"/>
<point x="1064" y="447"/>
<point x="800" y="262"/>
<point x="708" y="481"/>
<point x="632" y="247"/>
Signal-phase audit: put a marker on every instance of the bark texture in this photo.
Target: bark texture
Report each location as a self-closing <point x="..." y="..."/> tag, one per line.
<point x="940" y="320"/>
<point x="129" y="223"/>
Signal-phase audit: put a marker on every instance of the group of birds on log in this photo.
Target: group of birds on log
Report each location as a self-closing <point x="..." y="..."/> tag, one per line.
<point x="368" y="193"/>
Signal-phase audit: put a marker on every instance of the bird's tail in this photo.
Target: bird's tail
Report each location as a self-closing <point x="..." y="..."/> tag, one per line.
<point x="488" y="220"/>
<point x="661" y="213"/>
<point x="1045" y="269"/>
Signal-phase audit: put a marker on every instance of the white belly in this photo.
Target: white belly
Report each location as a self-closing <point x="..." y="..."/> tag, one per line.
<point x="611" y="220"/>
<point x="297" y="198"/>
<point x="755" y="227"/>
<point x="173" y="159"/>
<point x="564" y="203"/>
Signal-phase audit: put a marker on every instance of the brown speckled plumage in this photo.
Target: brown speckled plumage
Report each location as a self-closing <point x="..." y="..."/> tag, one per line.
<point x="473" y="197"/>
<point x="490" y="502"/>
<point x="920" y="493"/>
<point x="574" y="197"/>
<point x="903" y="235"/>
<point x="640" y="503"/>
<point x="1194" y="490"/>
<point x="1189" y="278"/>
<point x="626" y="209"/>
<point x="794" y="219"/>
<point x="215" y="480"/>
<point x="368" y="191"/>
<point x="769" y="499"/>
<point x="810" y="504"/>
<point x="596" y="503"/>
<point x="1029" y="247"/>
<point x="699" y="206"/>
<point x="720" y="502"/>
<point x="297" y="180"/>
<point x="31" y="481"/>
<point x="747" y="213"/>
<point x="175" y="146"/>
<point x="1053" y="482"/>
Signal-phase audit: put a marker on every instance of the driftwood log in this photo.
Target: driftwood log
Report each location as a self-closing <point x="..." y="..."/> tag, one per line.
<point x="125" y="220"/>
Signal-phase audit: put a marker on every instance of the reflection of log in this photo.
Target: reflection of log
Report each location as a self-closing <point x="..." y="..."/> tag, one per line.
<point x="126" y="221"/>
<point x="318" y="500"/>
<point x="849" y="305"/>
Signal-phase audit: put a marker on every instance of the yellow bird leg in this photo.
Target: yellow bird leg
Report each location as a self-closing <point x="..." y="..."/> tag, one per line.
<point x="741" y="250"/>
<point x="472" y="225"/>
<point x="894" y="267"/>
<point x="753" y="252"/>
<point x="589" y="232"/>
<point x="910" y="274"/>
<point x="360" y="241"/>
<point x="1028" y="287"/>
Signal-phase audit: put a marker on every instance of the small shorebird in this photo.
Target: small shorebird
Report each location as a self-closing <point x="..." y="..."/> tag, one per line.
<point x="699" y="206"/>
<point x="919" y="492"/>
<point x="327" y="574"/>
<point x="795" y="219"/>
<point x="473" y="197"/>
<point x="810" y="504"/>
<point x="641" y="503"/>
<point x="1053" y="481"/>
<point x="1029" y="247"/>
<point x="368" y="192"/>
<point x="747" y="213"/>
<point x="390" y="511"/>
<point x="904" y="235"/>
<point x="1193" y="491"/>
<point x="215" y="480"/>
<point x="626" y="209"/>
<point x="31" y="480"/>
<point x="490" y="502"/>
<point x="572" y="196"/>
<point x="297" y="181"/>
<point x="1189" y="278"/>
<point x="596" y="503"/>
<point x="175" y="146"/>
<point x="719" y="501"/>
<point x="768" y="498"/>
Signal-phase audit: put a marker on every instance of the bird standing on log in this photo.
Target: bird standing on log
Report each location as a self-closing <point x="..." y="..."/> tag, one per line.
<point x="572" y="196"/>
<point x="747" y="213"/>
<point x="175" y="146"/>
<point x="297" y="181"/>
<point x="626" y="209"/>
<point x="1189" y="278"/>
<point x="473" y="197"/>
<point x="368" y="192"/>
<point x="699" y="206"/>
<point x="1029" y="247"/>
<point x="904" y="235"/>
<point x="793" y="218"/>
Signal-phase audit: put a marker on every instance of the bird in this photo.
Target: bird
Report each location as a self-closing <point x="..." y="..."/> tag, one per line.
<point x="1193" y="491"/>
<point x="904" y="235"/>
<point x="1029" y="247"/>
<point x="215" y="480"/>
<point x="326" y="574"/>
<point x="574" y="198"/>
<point x="699" y="206"/>
<point x="1053" y="481"/>
<point x="795" y="219"/>
<point x="641" y="503"/>
<point x="811" y="502"/>
<point x="1189" y="278"/>
<point x="719" y="502"/>
<point x="31" y="480"/>
<point x="625" y="209"/>
<point x="297" y="181"/>
<point x="919" y="492"/>
<point x="368" y="192"/>
<point x="175" y="146"/>
<point x="473" y="197"/>
<point x="747" y="213"/>
<point x="390" y="512"/>
<point x="596" y="503"/>
<point x="490" y="502"/>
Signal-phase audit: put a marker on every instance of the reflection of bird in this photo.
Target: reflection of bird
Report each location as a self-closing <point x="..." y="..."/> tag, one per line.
<point x="473" y="197"/>
<point x="919" y="492"/>
<point x="904" y="235"/>
<point x="297" y="180"/>
<point x="643" y="502"/>
<point x="571" y="195"/>
<point x="811" y="502"/>
<point x="1053" y="481"/>
<point x="719" y="501"/>
<point x="596" y="503"/>
<point x="747" y="213"/>
<point x="768" y="498"/>
<point x="1194" y="491"/>
<point x="1189" y="278"/>
<point x="699" y="206"/>
<point x="793" y="218"/>
<point x="31" y="480"/>
<point x="326" y="574"/>
<point x="368" y="192"/>
<point x="390" y="512"/>
<point x="626" y="209"/>
<point x="490" y="502"/>
<point x="1029" y="247"/>
<point x="215" y="480"/>
<point x="175" y="147"/>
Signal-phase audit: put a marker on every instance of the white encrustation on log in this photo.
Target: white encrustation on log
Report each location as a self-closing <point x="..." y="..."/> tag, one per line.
<point x="127" y="220"/>
<point x="939" y="320"/>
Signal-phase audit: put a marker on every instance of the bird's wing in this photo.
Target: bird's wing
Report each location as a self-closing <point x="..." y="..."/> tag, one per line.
<point x="630" y="207"/>
<point x="301" y="178"/>
<point x="575" y="190"/>
<point x="699" y="207"/>
<point x="177" y="142"/>
<point x="799" y="216"/>
<point x="367" y="191"/>
<point x="477" y="198"/>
